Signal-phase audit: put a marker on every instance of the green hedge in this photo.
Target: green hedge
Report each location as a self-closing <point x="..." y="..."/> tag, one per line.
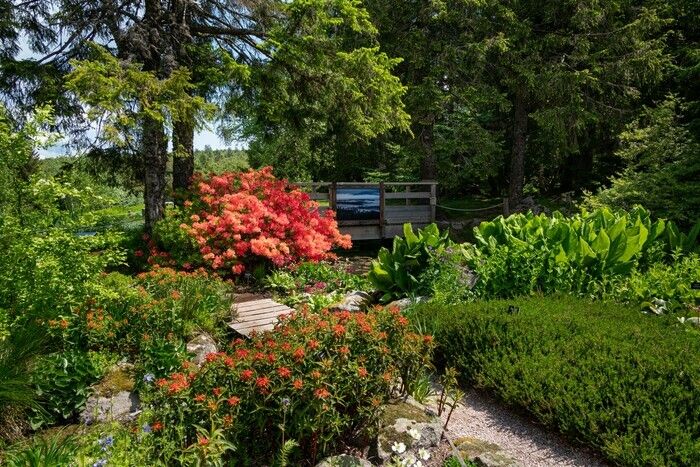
<point x="625" y="383"/>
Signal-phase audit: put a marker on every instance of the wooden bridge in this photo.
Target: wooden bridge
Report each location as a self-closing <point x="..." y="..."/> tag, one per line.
<point x="370" y="211"/>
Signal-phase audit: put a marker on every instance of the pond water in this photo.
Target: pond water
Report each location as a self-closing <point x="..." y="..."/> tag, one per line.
<point x="357" y="203"/>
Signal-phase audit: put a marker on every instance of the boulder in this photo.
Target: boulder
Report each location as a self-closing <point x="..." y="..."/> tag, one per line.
<point x="113" y="398"/>
<point x="404" y="303"/>
<point x="201" y="346"/>
<point x="483" y="453"/>
<point x="410" y="426"/>
<point x="123" y="406"/>
<point x="353" y="301"/>
<point x="344" y="460"/>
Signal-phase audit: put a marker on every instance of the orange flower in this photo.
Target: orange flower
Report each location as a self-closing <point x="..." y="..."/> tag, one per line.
<point x="157" y="426"/>
<point x="344" y="350"/>
<point x="200" y="397"/>
<point x="233" y="401"/>
<point x="299" y="353"/>
<point x="217" y="391"/>
<point x="175" y="295"/>
<point x="338" y="330"/>
<point x="362" y="372"/>
<point x="313" y="344"/>
<point x="322" y="393"/>
<point x="284" y="372"/>
<point x="262" y="382"/>
<point x="203" y="441"/>
<point x="298" y="384"/>
<point x="246" y="375"/>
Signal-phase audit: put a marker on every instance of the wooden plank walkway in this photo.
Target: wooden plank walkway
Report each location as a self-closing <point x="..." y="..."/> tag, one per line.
<point x="257" y="315"/>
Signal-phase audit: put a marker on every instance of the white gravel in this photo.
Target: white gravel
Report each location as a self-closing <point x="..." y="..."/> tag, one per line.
<point x="531" y="445"/>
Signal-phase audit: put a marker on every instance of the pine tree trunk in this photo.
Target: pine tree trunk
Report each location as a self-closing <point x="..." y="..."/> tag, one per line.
<point x="428" y="167"/>
<point x="183" y="160"/>
<point x="155" y="157"/>
<point x="517" y="160"/>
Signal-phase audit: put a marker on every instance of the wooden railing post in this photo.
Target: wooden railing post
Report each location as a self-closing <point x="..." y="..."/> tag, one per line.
<point x="381" y="209"/>
<point x="433" y="201"/>
<point x="332" y="194"/>
<point x="506" y="208"/>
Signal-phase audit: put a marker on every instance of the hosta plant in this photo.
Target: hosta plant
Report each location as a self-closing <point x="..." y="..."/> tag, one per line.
<point x="396" y="273"/>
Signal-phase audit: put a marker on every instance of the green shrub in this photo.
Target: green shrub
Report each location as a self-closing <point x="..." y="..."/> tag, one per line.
<point x="396" y="273"/>
<point x="317" y="380"/>
<point x="599" y="255"/>
<point x="621" y="381"/>
<point x="147" y="319"/>
<point x="62" y="383"/>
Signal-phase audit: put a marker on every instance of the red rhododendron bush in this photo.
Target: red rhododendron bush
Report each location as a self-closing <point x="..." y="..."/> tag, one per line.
<point x="318" y="379"/>
<point x="240" y="219"/>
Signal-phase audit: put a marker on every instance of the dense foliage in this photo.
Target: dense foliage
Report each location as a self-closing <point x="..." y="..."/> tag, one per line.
<point x="396" y="273"/>
<point x="316" y="378"/>
<point x="624" y="383"/>
<point x="623" y="256"/>
<point x="242" y="220"/>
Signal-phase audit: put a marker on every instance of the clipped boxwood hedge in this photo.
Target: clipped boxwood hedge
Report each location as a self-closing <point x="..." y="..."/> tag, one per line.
<point x="625" y="383"/>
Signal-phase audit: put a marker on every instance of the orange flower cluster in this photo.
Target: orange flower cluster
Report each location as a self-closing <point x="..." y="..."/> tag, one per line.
<point x="316" y="372"/>
<point x="240" y="218"/>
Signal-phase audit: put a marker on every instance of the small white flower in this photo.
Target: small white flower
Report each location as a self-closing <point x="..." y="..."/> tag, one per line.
<point x="415" y="434"/>
<point x="398" y="448"/>
<point x="417" y="464"/>
<point x="423" y="454"/>
<point x="409" y="461"/>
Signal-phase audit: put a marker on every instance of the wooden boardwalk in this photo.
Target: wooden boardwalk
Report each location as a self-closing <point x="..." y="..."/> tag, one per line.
<point x="257" y="315"/>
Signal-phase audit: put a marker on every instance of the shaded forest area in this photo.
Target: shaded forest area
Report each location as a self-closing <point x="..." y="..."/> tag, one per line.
<point x="491" y="98"/>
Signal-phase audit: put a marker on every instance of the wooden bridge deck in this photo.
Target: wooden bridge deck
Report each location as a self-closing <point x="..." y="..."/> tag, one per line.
<point x="257" y="315"/>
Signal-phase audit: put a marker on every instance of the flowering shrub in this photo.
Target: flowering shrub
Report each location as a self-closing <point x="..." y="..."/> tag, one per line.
<point x="315" y="379"/>
<point x="243" y="219"/>
<point x="147" y="318"/>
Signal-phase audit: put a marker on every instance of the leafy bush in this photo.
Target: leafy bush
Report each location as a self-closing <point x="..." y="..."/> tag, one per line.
<point x="317" y="285"/>
<point x="62" y="384"/>
<point x="396" y="273"/>
<point x="591" y="254"/>
<point x="149" y="318"/>
<point x="247" y="219"/>
<point x="316" y="277"/>
<point x="621" y="381"/>
<point x="318" y="379"/>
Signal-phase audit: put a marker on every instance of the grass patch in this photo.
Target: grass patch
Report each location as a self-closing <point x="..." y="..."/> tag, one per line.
<point x="625" y="383"/>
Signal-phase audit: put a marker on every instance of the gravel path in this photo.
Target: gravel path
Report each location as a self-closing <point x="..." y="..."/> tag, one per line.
<point x="531" y="445"/>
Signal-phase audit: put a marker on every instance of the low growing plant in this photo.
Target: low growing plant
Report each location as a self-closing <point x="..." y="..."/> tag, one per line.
<point x="396" y="273"/>
<point x="318" y="379"/>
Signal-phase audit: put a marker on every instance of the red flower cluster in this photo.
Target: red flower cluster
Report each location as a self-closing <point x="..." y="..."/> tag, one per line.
<point x="239" y="218"/>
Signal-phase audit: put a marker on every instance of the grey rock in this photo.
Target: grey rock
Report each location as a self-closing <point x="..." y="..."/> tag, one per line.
<point x="457" y="226"/>
<point x="201" y="346"/>
<point x="123" y="406"/>
<point x="401" y="418"/>
<point x="483" y="453"/>
<point x="404" y="303"/>
<point x="354" y="301"/>
<point x="344" y="460"/>
<point x="693" y="320"/>
<point x="495" y="459"/>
